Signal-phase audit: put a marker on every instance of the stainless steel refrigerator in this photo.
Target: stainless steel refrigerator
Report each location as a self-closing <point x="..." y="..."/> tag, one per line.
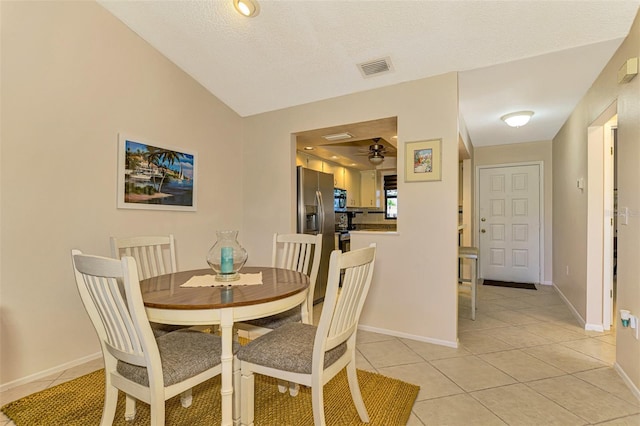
<point x="316" y="215"/>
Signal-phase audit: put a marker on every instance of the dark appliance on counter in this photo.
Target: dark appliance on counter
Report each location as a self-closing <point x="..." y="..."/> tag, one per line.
<point x="316" y="216"/>
<point x="343" y="238"/>
<point x="342" y="222"/>
<point x="339" y="200"/>
<point x="344" y="241"/>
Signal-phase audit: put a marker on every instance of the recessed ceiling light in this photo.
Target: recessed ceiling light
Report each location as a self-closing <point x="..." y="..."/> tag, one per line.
<point x="308" y="148"/>
<point x="517" y="119"/>
<point x="248" y="8"/>
<point x="338" y="136"/>
<point x="334" y="157"/>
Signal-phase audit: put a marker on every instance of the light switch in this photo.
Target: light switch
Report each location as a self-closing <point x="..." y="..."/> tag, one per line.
<point x="580" y="183"/>
<point x="623" y="215"/>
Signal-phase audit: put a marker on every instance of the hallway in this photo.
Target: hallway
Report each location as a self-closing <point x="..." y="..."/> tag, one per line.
<point x="524" y="361"/>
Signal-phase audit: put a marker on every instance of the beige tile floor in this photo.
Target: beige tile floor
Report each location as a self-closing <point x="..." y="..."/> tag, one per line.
<point x="524" y="361"/>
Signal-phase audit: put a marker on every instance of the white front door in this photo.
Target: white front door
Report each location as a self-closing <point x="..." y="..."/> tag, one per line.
<point x="509" y="202"/>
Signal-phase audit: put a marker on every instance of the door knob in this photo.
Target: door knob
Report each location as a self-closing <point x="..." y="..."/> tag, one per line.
<point x="483" y="231"/>
<point x="483" y="219"/>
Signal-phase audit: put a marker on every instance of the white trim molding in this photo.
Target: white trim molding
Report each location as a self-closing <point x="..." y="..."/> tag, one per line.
<point x="46" y="373"/>
<point x="573" y="310"/>
<point x="446" y="343"/>
<point x="627" y="381"/>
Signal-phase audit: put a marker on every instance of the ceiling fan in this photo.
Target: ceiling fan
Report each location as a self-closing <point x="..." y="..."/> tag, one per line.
<point x="376" y="152"/>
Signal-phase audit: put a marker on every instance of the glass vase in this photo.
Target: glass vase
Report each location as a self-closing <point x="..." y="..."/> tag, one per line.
<point x="227" y="256"/>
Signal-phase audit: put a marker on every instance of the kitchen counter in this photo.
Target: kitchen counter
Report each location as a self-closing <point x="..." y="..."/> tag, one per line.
<point x="375" y="231"/>
<point x="383" y="227"/>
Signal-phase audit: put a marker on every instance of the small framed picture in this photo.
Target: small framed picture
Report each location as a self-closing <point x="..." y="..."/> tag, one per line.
<point x="155" y="177"/>
<point x="423" y="161"/>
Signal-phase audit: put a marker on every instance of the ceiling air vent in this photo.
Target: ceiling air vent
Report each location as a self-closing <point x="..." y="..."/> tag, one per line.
<point x="338" y="136"/>
<point x="377" y="67"/>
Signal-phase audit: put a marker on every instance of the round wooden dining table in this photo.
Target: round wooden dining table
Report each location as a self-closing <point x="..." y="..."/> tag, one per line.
<point x="166" y="302"/>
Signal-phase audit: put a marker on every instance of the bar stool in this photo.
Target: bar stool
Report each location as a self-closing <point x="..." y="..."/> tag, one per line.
<point x="470" y="253"/>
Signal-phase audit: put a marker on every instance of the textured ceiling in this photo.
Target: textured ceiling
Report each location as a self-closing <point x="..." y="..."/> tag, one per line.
<point x="512" y="55"/>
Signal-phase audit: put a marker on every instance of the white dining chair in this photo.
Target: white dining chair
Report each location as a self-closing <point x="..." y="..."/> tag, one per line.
<point x="298" y="252"/>
<point x="309" y="355"/>
<point x="154" y="255"/>
<point x="144" y="367"/>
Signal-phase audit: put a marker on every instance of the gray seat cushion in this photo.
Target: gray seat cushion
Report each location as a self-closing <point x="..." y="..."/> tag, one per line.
<point x="184" y="353"/>
<point x="277" y="320"/>
<point x="288" y="348"/>
<point x="161" y="329"/>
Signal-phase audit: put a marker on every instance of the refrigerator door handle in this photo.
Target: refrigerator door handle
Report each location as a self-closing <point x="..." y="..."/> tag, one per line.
<point x="320" y="211"/>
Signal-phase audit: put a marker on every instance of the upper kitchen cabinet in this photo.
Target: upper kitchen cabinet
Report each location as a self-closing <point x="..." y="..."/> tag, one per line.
<point x="309" y="162"/>
<point x="369" y="194"/>
<point x="338" y="174"/>
<point x="352" y="185"/>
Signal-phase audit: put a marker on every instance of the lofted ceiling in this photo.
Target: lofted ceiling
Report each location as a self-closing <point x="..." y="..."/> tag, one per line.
<point x="539" y="55"/>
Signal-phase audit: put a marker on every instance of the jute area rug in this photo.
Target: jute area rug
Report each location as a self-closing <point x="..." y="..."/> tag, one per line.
<point x="80" y="401"/>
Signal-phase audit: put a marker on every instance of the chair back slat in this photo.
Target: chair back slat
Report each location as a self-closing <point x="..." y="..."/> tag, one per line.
<point x="154" y="255"/>
<point x="296" y="256"/>
<point x="114" y="311"/>
<point x="343" y="306"/>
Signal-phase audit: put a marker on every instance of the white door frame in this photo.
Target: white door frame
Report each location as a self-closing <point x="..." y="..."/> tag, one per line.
<point x="476" y="234"/>
<point x="600" y="216"/>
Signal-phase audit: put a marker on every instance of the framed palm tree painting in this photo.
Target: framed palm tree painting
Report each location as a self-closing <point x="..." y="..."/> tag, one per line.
<point x="155" y="177"/>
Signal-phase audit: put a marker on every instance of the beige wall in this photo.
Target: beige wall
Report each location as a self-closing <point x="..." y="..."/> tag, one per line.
<point x="414" y="289"/>
<point x="73" y="76"/>
<point x="570" y="205"/>
<point x="521" y="153"/>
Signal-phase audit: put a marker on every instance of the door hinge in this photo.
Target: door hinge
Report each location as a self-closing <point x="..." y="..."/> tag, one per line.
<point x="611" y="221"/>
<point x="611" y="150"/>
<point x="611" y="294"/>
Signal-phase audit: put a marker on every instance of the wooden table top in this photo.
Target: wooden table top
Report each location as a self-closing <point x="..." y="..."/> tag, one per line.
<point x="164" y="291"/>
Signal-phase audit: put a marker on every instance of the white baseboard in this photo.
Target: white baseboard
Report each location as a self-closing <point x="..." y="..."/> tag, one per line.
<point x="627" y="381"/>
<point x="594" y="327"/>
<point x="42" y="374"/>
<point x="573" y="310"/>
<point x="394" y="333"/>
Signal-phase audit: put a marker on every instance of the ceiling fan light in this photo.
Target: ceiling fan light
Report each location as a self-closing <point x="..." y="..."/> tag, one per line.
<point x="248" y="8"/>
<point x="517" y="119"/>
<point x="376" y="158"/>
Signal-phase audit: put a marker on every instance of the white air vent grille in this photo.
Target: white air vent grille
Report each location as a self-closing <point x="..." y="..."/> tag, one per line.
<point x="377" y="67"/>
<point x="338" y="136"/>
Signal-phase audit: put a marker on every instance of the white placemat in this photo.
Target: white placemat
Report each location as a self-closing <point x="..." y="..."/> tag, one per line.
<point x="210" y="281"/>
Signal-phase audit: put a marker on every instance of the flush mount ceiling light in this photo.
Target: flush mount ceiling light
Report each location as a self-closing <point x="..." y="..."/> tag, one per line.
<point x="517" y="119"/>
<point x="248" y="8"/>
